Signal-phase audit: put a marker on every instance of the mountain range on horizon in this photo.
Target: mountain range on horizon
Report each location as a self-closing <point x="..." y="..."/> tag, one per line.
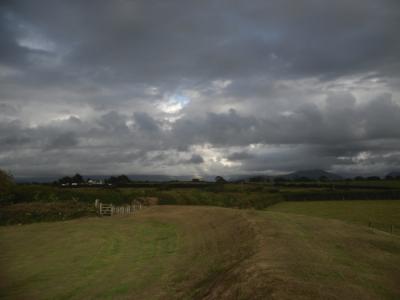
<point x="313" y="174"/>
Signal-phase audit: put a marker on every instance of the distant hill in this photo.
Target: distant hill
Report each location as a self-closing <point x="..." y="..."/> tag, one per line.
<point x="314" y="174"/>
<point x="311" y="174"/>
<point x="395" y="174"/>
<point x="248" y="177"/>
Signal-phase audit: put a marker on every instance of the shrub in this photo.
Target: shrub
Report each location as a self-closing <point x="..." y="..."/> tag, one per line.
<point x="22" y="213"/>
<point x="6" y="186"/>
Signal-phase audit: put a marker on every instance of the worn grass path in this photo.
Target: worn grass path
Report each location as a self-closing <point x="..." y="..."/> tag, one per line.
<point x="173" y="252"/>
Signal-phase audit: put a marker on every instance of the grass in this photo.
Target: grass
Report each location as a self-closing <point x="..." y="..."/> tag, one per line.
<point x="176" y="252"/>
<point x="80" y="259"/>
<point x="382" y="213"/>
<point x="153" y="255"/>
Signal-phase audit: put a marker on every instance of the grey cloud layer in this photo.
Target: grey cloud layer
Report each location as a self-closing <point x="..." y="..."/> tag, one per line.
<point x="189" y="86"/>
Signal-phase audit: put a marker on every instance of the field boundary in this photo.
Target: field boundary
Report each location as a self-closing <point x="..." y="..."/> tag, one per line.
<point x="390" y="228"/>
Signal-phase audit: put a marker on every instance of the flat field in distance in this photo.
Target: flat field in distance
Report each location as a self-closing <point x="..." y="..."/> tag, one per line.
<point x="382" y="213"/>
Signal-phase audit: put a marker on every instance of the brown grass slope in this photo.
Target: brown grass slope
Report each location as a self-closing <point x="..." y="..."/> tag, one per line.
<point x="299" y="257"/>
<point x="214" y="253"/>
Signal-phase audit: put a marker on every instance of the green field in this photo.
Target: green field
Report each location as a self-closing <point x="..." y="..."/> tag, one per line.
<point x="187" y="252"/>
<point x="381" y="213"/>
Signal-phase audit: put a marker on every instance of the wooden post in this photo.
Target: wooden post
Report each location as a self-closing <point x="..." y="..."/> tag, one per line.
<point x="101" y="206"/>
<point x="96" y="203"/>
<point x="391" y="228"/>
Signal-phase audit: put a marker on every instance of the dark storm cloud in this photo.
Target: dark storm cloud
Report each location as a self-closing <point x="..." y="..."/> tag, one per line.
<point x="195" y="159"/>
<point x="113" y="122"/>
<point x="64" y="140"/>
<point x="240" y="156"/>
<point x="221" y="129"/>
<point x="340" y="121"/>
<point x="7" y="110"/>
<point x="288" y="158"/>
<point x="145" y="122"/>
<point x="151" y="84"/>
<point x="150" y="40"/>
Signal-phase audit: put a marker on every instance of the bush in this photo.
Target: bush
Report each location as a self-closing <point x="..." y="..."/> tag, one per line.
<point x="6" y="186"/>
<point x="40" y="193"/>
<point x="23" y="213"/>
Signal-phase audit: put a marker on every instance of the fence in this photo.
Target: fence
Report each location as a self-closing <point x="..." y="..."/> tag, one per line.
<point x="106" y="209"/>
<point x="385" y="227"/>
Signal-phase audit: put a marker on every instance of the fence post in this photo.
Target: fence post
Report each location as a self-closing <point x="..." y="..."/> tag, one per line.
<point x="391" y="228"/>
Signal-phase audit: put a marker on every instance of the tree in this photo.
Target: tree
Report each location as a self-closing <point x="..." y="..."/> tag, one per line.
<point x="323" y="178"/>
<point x="220" y="179"/>
<point x="65" y="180"/>
<point x="77" y="178"/>
<point x="121" y="179"/>
<point x="6" y="185"/>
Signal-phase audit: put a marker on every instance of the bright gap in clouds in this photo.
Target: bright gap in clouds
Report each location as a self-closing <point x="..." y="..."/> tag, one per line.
<point x="174" y="103"/>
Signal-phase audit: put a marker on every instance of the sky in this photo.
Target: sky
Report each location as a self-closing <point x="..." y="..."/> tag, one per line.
<point x="187" y="87"/>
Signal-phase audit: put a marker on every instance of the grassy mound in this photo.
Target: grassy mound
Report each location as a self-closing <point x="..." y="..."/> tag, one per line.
<point x="173" y="252"/>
